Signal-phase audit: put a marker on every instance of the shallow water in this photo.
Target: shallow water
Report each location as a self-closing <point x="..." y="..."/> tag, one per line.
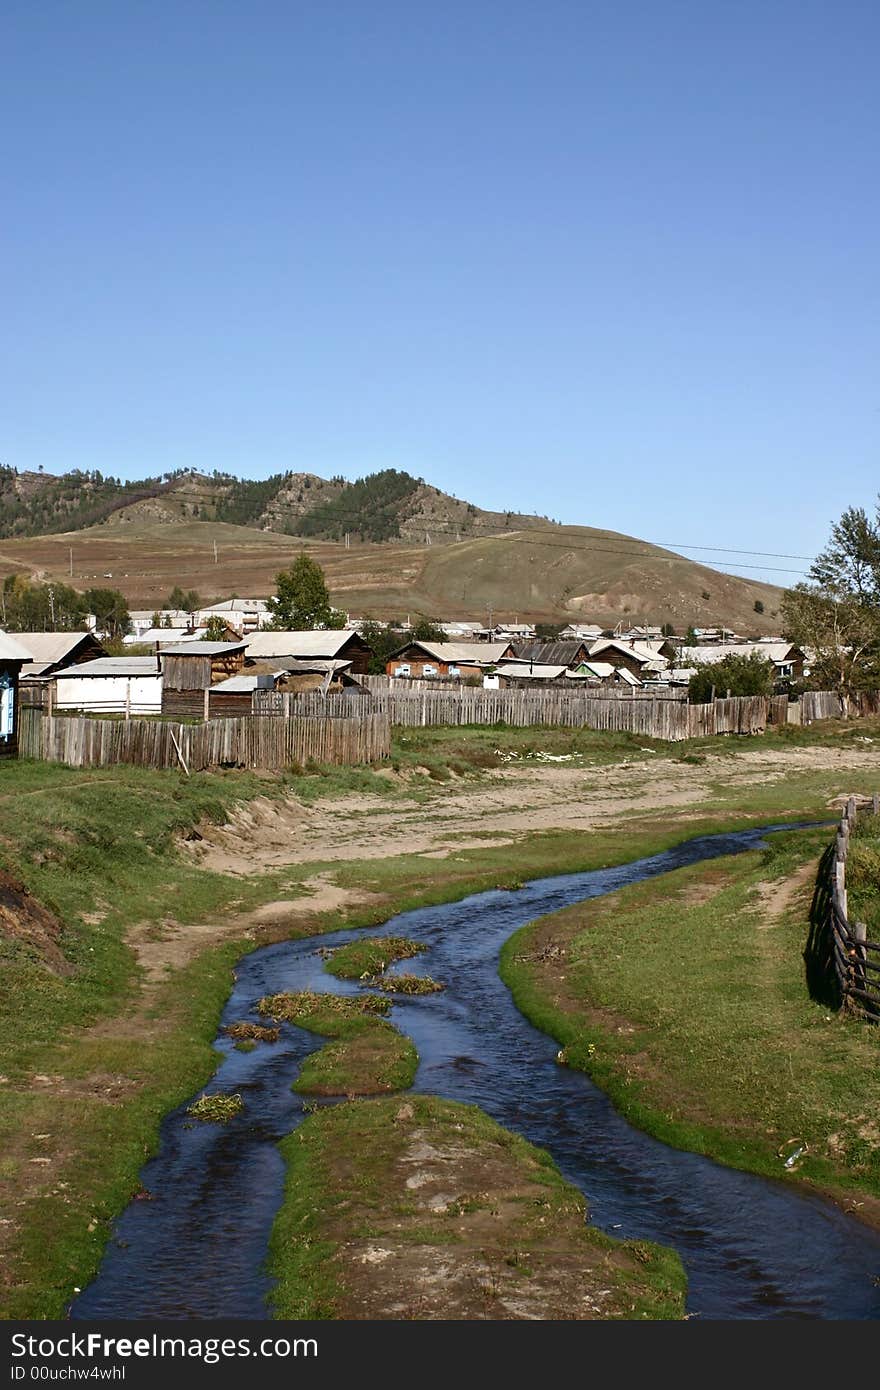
<point x="752" y="1248"/>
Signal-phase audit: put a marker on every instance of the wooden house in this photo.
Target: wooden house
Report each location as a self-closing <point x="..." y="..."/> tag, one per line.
<point x="453" y="660"/>
<point x="635" y="657"/>
<point x="525" y="675"/>
<point x="52" y="652"/>
<point x="189" y="669"/>
<point x="569" y="653"/>
<point x="13" y="655"/>
<point x="322" y="644"/>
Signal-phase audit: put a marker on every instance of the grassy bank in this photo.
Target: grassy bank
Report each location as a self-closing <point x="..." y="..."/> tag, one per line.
<point x="90" y="1058"/>
<point x="429" y="1209"/>
<point x="690" y="1006"/>
<point x="368" y="1055"/>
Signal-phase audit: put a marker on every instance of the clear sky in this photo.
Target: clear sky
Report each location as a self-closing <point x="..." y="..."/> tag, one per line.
<point x="612" y="261"/>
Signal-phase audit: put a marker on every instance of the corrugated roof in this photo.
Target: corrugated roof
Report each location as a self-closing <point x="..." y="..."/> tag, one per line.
<point x="601" y="669"/>
<point x="52" y="646"/>
<point x="557" y="653"/>
<point x="527" y="670"/>
<point x="13" y="650"/>
<point x="466" y="653"/>
<point x="241" y="683"/>
<point x="111" y="666"/>
<point x="201" y="648"/>
<point x="773" y="651"/>
<point x="162" y="634"/>
<point x="640" y="650"/>
<point x="325" y="642"/>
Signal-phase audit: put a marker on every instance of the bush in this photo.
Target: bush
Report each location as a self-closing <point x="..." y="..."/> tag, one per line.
<point x="740" y="675"/>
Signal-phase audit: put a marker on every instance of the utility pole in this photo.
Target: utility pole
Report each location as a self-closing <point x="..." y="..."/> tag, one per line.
<point x="348" y="540"/>
<point x="71" y="562"/>
<point x="216" y="561"/>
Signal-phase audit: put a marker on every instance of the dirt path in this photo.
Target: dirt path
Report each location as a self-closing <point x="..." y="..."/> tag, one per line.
<point x="502" y="808"/>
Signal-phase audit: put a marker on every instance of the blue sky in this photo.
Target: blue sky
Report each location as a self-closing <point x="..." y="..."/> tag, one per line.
<point x="615" y="263"/>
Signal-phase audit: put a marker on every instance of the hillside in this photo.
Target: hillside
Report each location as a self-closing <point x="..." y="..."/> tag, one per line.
<point x="385" y="506"/>
<point x="545" y="573"/>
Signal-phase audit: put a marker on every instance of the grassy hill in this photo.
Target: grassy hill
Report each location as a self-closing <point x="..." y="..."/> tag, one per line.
<point x="385" y="506"/>
<point x="540" y="573"/>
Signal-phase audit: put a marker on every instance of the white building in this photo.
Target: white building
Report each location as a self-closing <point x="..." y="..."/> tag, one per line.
<point x="110" y="685"/>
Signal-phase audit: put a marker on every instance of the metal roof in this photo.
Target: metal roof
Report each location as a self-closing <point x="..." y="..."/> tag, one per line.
<point x="201" y="648"/>
<point x="530" y="670"/>
<point x="53" y="646"/>
<point x="466" y="653"/>
<point x="111" y="666"/>
<point x="325" y="642"/>
<point x="778" y="652"/>
<point x="551" y="653"/>
<point x="11" y="650"/>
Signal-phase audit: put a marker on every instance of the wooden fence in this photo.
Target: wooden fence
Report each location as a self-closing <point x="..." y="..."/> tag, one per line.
<point x="644" y="715"/>
<point x="250" y="741"/>
<point x="856" y="959"/>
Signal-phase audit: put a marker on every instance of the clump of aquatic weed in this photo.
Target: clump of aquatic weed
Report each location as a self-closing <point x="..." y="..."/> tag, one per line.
<point x="360" y="960"/>
<point x="299" y="1006"/>
<point x="252" y="1031"/>
<point x="408" y="984"/>
<point x="217" y="1109"/>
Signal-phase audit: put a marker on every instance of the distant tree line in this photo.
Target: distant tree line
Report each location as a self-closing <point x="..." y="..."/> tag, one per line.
<point x="28" y="606"/>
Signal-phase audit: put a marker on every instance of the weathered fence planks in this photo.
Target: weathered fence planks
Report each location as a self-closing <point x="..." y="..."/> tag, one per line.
<point x="648" y="716"/>
<point x="856" y="959"/>
<point x="250" y="741"/>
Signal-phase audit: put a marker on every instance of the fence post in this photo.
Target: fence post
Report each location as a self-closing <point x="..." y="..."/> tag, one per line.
<point x="207" y="709"/>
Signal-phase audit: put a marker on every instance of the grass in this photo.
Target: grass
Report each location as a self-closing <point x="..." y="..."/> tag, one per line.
<point x="691" y="1007"/>
<point x="863" y="874"/>
<point x="370" y="956"/>
<point x="368" y="1056"/>
<point x="99" y="849"/>
<point x="513" y="1234"/>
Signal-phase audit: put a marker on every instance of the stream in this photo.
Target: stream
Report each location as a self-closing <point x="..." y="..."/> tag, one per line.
<point x="752" y="1247"/>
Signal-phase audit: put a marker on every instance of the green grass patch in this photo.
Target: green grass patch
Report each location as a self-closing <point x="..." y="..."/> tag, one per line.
<point x="369" y="1055"/>
<point x="691" y="1007"/>
<point x="359" y="960"/>
<point x="519" y="1246"/>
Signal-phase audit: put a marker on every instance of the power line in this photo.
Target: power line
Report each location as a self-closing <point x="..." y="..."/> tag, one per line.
<point x="528" y="531"/>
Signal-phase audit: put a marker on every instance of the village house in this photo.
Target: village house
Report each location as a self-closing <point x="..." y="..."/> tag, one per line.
<point x="243" y="615"/>
<point x="325" y="644"/>
<point x="556" y="653"/>
<point x="786" y="658"/>
<point x="189" y="669"/>
<point x="604" y="673"/>
<point x="52" y="652"/>
<point x="452" y="660"/>
<point x="587" y="632"/>
<point x="512" y="674"/>
<point x="13" y="656"/>
<point x="108" y="685"/>
<point x="636" y="657"/>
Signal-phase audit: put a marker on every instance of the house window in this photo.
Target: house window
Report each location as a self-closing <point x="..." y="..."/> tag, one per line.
<point x="455" y="670"/>
<point x="785" y="669"/>
<point x="403" y="670"/>
<point x="429" y="670"/>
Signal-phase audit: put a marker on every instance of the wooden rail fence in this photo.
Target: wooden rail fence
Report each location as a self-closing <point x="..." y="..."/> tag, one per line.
<point x="856" y="959"/>
<point x="250" y="741"/>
